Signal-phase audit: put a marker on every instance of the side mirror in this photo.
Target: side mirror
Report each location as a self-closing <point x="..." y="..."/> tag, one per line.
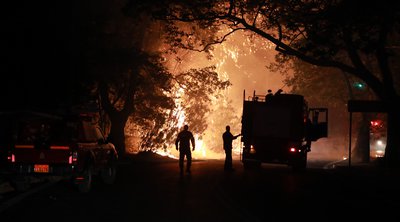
<point x="319" y="127"/>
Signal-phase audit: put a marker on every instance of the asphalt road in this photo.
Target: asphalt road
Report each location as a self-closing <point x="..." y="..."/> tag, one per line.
<point x="149" y="188"/>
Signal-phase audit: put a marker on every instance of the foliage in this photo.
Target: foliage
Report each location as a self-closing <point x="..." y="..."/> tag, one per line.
<point x="323" y="33"/>
<point x="200" y="87"/>
<point x="193" y="93"/>
<point x="222" y="114"/>
<point x="357" y="37"/>
<point x="119" y="66"/>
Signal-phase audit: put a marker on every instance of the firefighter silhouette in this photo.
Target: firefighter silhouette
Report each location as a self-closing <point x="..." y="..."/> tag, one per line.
<point x="269" y="95"/>
<point x="182" y="143"/>
<point x="228" y="138"/>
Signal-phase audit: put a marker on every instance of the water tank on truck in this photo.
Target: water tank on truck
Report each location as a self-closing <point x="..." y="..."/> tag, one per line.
<point x="280" y="128"/>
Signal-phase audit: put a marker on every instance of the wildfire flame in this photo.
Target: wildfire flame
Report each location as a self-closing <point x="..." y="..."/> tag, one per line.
<point x="234" y="60"/>
<point x="201" y="151"/>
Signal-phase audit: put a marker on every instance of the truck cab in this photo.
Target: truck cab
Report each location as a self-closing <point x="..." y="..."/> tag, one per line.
<point x="280" y="128"/>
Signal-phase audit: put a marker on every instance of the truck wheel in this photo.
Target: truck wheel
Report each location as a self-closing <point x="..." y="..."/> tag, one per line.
<point x="301" y="163"/>
<point x="85" y="185"/>
<point x="108" y="173"/>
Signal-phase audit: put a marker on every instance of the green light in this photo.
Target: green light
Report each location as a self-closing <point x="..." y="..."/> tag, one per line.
<point x="359" y="85"/>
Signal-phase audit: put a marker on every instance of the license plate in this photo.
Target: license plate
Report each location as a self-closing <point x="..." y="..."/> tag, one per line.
<point x="41" y="168"/>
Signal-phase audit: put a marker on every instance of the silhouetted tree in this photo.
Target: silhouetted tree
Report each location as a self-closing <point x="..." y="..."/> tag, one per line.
<point x="142" y="90"/>
<point x="340" y="34"/>
<point x="124" y="66"/>
<point x="118" y="66"/>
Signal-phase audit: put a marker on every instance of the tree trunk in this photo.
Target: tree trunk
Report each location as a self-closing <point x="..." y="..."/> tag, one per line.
<point x="362" y="147"/>
<point x="118" y="119"/>
<point x="117" y="131"/>
<point x="392" y="151"/>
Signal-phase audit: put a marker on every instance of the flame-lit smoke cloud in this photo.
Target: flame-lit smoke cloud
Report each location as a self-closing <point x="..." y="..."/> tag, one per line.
<point x="243" y="61"/>
<point x="240" y="60"/>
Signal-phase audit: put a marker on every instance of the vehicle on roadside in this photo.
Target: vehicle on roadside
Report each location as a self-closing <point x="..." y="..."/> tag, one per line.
<point x="279" y="129"/>
<point x="38" y="144"/>
<point x="377" y="138"/>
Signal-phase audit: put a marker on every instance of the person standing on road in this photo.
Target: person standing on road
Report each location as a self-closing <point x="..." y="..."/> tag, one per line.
<point x="228" y="138"/>
<point x="269" y="95"/>
<point x="182" y="143"/>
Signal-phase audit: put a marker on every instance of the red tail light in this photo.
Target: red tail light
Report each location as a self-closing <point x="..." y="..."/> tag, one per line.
<point x="11" y="157"/>
<point x="294" y="149"/>
<point x="73" y="158"/>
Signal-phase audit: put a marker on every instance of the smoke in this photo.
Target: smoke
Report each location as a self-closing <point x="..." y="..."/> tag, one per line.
<point x="243" y="61"/>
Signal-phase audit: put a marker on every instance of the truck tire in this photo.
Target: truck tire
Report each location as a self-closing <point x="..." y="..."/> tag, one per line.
<point x="86" y="184"/>
<point x="109" y="172"/>
<point x="301" y="163"/>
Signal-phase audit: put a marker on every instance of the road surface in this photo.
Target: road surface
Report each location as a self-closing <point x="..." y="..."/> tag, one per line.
<point x="149" y="188"/>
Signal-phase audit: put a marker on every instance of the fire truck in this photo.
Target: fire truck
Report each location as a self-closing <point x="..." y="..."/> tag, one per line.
<point x="37" y="144"/>
<point x="279" y="128"/>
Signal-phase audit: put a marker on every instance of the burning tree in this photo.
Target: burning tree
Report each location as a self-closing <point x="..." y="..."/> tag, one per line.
<point x="125" y="70"/>
<point x="356" y="37"/>
<point x="193" y="93"/>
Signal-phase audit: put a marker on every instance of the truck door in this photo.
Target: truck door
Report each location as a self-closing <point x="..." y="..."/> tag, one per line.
<point x="319" y="120"/>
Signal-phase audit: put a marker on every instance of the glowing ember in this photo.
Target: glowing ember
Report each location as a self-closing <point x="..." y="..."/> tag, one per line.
<point x="164" y="153"/>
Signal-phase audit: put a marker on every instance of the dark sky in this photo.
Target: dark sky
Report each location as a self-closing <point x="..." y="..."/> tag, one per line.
<point x="36" y="53"/>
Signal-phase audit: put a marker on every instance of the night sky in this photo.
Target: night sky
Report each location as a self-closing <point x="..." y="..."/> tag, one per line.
<point x="36" y="54"/>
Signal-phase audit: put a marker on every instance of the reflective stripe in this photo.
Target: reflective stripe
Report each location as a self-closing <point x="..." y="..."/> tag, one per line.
<point x="24" y="146"/>
<point x="59" y="147"/>
<point x="51" y="147"/>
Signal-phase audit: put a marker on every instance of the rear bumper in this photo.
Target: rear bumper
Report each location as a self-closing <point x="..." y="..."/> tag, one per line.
<point x="283" y="158"/>
<point x="53" y="169"/>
